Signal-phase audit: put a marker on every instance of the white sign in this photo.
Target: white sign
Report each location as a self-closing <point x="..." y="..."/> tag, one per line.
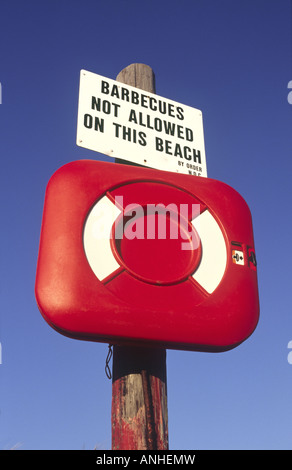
<point x="125" y="122"/>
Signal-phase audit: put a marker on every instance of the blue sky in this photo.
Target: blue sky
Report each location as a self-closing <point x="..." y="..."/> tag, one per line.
<point x="233" y="60"/>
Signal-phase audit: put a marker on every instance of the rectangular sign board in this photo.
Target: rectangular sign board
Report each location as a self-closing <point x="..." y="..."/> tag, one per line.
<point x="124" y="122"/>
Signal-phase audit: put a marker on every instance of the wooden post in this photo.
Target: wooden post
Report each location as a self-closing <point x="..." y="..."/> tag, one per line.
<point x="139" y="399"/>
<point x="140" y="76"/>
<point x="139" y="392"/>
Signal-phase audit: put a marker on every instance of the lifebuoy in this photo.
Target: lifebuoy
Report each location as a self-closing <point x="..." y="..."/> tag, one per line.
<point x="203" y="249"/>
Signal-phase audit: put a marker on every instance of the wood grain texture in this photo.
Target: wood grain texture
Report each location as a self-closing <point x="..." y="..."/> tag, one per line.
<point x="139" y="399"/>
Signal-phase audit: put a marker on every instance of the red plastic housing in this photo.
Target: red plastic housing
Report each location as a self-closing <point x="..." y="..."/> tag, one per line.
<point x="131" y="255"/>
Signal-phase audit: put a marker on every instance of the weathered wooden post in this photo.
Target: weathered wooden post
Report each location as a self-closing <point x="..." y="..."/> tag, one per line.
<point x="139" y="390"/>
